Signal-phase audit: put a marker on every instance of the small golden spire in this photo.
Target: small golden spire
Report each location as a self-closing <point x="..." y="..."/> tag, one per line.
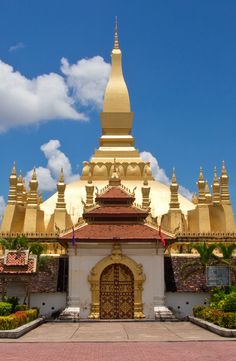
<point x="20" y="188"/>
<point x="61" y="192"/>
<point x="116" y="40"/>
<point x="89" y="192"/>
<point x="174" y="197"/>
<point x="194" y="199"/>
<point x="115" y="176"/>
<point x="207" y="193"/>
<point x="40" y="198"/>
<point x="201" y="188"/>
<point x="61" y="179"/>
<point x="145" y="192"/>
<point x="13" y="172"/>
<point x="216" y="189"/>
<point x="224" y="185"/>
<point x="32" y="198"/>
<point x="12" y="196"/>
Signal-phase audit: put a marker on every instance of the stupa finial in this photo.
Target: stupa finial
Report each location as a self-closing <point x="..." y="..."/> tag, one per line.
<point x="116" y="40"/>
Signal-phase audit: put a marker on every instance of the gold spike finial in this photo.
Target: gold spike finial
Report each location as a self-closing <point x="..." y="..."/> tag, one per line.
<point x="223" y="168"/>
<point x="201" y="174"/>
<point x="173" y="176"/>
<point x="61" y="179"/>
<point x="34" y="175"/>
<point x="116" y="40"/>
<point x="13" y="172"/>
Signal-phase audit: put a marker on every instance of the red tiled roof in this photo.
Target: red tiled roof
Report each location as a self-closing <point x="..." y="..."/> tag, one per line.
<point x="117" y="210"/>
<point x="115" y="192"/>
<point x="16" y="258"/>
<point x="126" y="232"/>
<point x="29" y="268"/>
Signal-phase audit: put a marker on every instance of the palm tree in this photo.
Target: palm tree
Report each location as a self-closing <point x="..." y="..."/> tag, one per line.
<point x="227" y="252"/>
<point x="206" y="256"/>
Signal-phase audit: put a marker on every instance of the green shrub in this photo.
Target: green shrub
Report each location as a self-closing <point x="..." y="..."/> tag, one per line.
<point x="198" y="310"/>
<point x="13" y="300"/>
<point x="32" y="314"/>
<point x="5" y="308"/>
<point x="21" y="307"/>
<point x="229" y="303"/>
<point x="228" y="320"/>
<point x="17" y="319"/>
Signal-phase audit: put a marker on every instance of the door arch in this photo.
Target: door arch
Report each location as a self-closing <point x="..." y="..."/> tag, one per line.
<point x="95" y="275"/>
<point x="117" y="292"/>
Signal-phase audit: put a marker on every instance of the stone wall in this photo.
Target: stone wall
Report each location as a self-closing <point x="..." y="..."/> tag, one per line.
<point x="175" y="275"/>
<point x="44" y="281"/>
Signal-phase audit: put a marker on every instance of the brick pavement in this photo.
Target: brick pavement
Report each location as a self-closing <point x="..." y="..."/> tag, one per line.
<point x="148" y="351"/>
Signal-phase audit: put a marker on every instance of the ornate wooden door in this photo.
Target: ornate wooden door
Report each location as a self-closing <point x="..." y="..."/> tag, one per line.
<point x="117" y="292"/>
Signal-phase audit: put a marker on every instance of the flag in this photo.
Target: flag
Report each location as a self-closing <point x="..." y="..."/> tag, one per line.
<point x="73" y="236"/>
<point x="163" y="241"/>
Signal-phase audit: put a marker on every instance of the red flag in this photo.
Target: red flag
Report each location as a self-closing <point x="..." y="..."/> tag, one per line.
<point x="163" y="241"/>
<point x="73" y="236"/>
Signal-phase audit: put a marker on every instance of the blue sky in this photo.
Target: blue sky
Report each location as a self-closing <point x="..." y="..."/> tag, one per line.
<point x="179" y="61"/>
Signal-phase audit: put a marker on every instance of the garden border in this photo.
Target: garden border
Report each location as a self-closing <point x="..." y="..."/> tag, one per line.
<point x="224" y="332"/>
<point x="20" y="331"/>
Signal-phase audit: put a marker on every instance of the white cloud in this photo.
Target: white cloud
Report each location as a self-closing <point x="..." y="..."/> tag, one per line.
<point x="2" y="206"/>
<point x="157" y="172"/>
<point x="88" y="79"/>
<point x="51" y="96"/>
<point x="17" y="46"/>
<point x="46" y="182"/>
<point x="160" y="174"/>
<point x="48" y="176"/>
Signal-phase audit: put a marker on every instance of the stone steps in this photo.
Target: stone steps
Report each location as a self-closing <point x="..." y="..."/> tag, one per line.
<point x="164" y="314"/>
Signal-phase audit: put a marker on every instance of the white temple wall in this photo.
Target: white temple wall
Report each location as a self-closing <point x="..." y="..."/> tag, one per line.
<point x="82" y="260"/>
<point x="48" y="302"/>
<point x="182" y="303"/>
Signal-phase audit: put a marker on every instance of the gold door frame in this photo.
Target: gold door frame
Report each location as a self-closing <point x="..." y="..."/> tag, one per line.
<point x="94" y="280"/>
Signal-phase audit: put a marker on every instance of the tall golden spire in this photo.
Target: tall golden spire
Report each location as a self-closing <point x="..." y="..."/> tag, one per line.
<point x="224" y="185"/>
<point x="174" y="187"/>
<point x="61" y="192"/>
<point x="116" y="97"/>
<point x="32" y="199"/>
<point x="12" y="196"/>
<point x="201" y="188"/>
<point x="216" y="189"/>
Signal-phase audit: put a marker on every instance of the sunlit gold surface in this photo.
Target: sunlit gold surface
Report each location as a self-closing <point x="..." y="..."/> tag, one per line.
<point x="159" y="195"/>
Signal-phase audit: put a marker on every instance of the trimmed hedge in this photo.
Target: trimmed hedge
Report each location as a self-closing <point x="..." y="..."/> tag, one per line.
<point x="218" y="317"/>
<point x="18" y="319"/>
<point x="5" y="308"/>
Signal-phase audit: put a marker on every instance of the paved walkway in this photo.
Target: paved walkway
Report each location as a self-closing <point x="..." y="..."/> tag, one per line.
<point x="118" y="332"/>
<point x="117" y="341"/>
<point x="142" y="351"/>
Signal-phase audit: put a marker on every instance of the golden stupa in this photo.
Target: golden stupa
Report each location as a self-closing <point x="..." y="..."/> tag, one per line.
<point x="207" y="213"/>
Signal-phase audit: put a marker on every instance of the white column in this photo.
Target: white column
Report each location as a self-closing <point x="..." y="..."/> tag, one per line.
<point x="73" y="277"/>
<point x="159" y="295"/>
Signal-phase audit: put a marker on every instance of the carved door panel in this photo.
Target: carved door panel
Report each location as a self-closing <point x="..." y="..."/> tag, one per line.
<point x="117" y="292"/>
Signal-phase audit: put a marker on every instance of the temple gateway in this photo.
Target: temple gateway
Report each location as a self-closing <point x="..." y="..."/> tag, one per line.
<point x="115" y="240"/>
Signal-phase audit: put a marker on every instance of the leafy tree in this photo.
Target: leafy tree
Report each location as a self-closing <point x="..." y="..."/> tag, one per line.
<point x="36" y="248"/>
<point x="18" y="243"/>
